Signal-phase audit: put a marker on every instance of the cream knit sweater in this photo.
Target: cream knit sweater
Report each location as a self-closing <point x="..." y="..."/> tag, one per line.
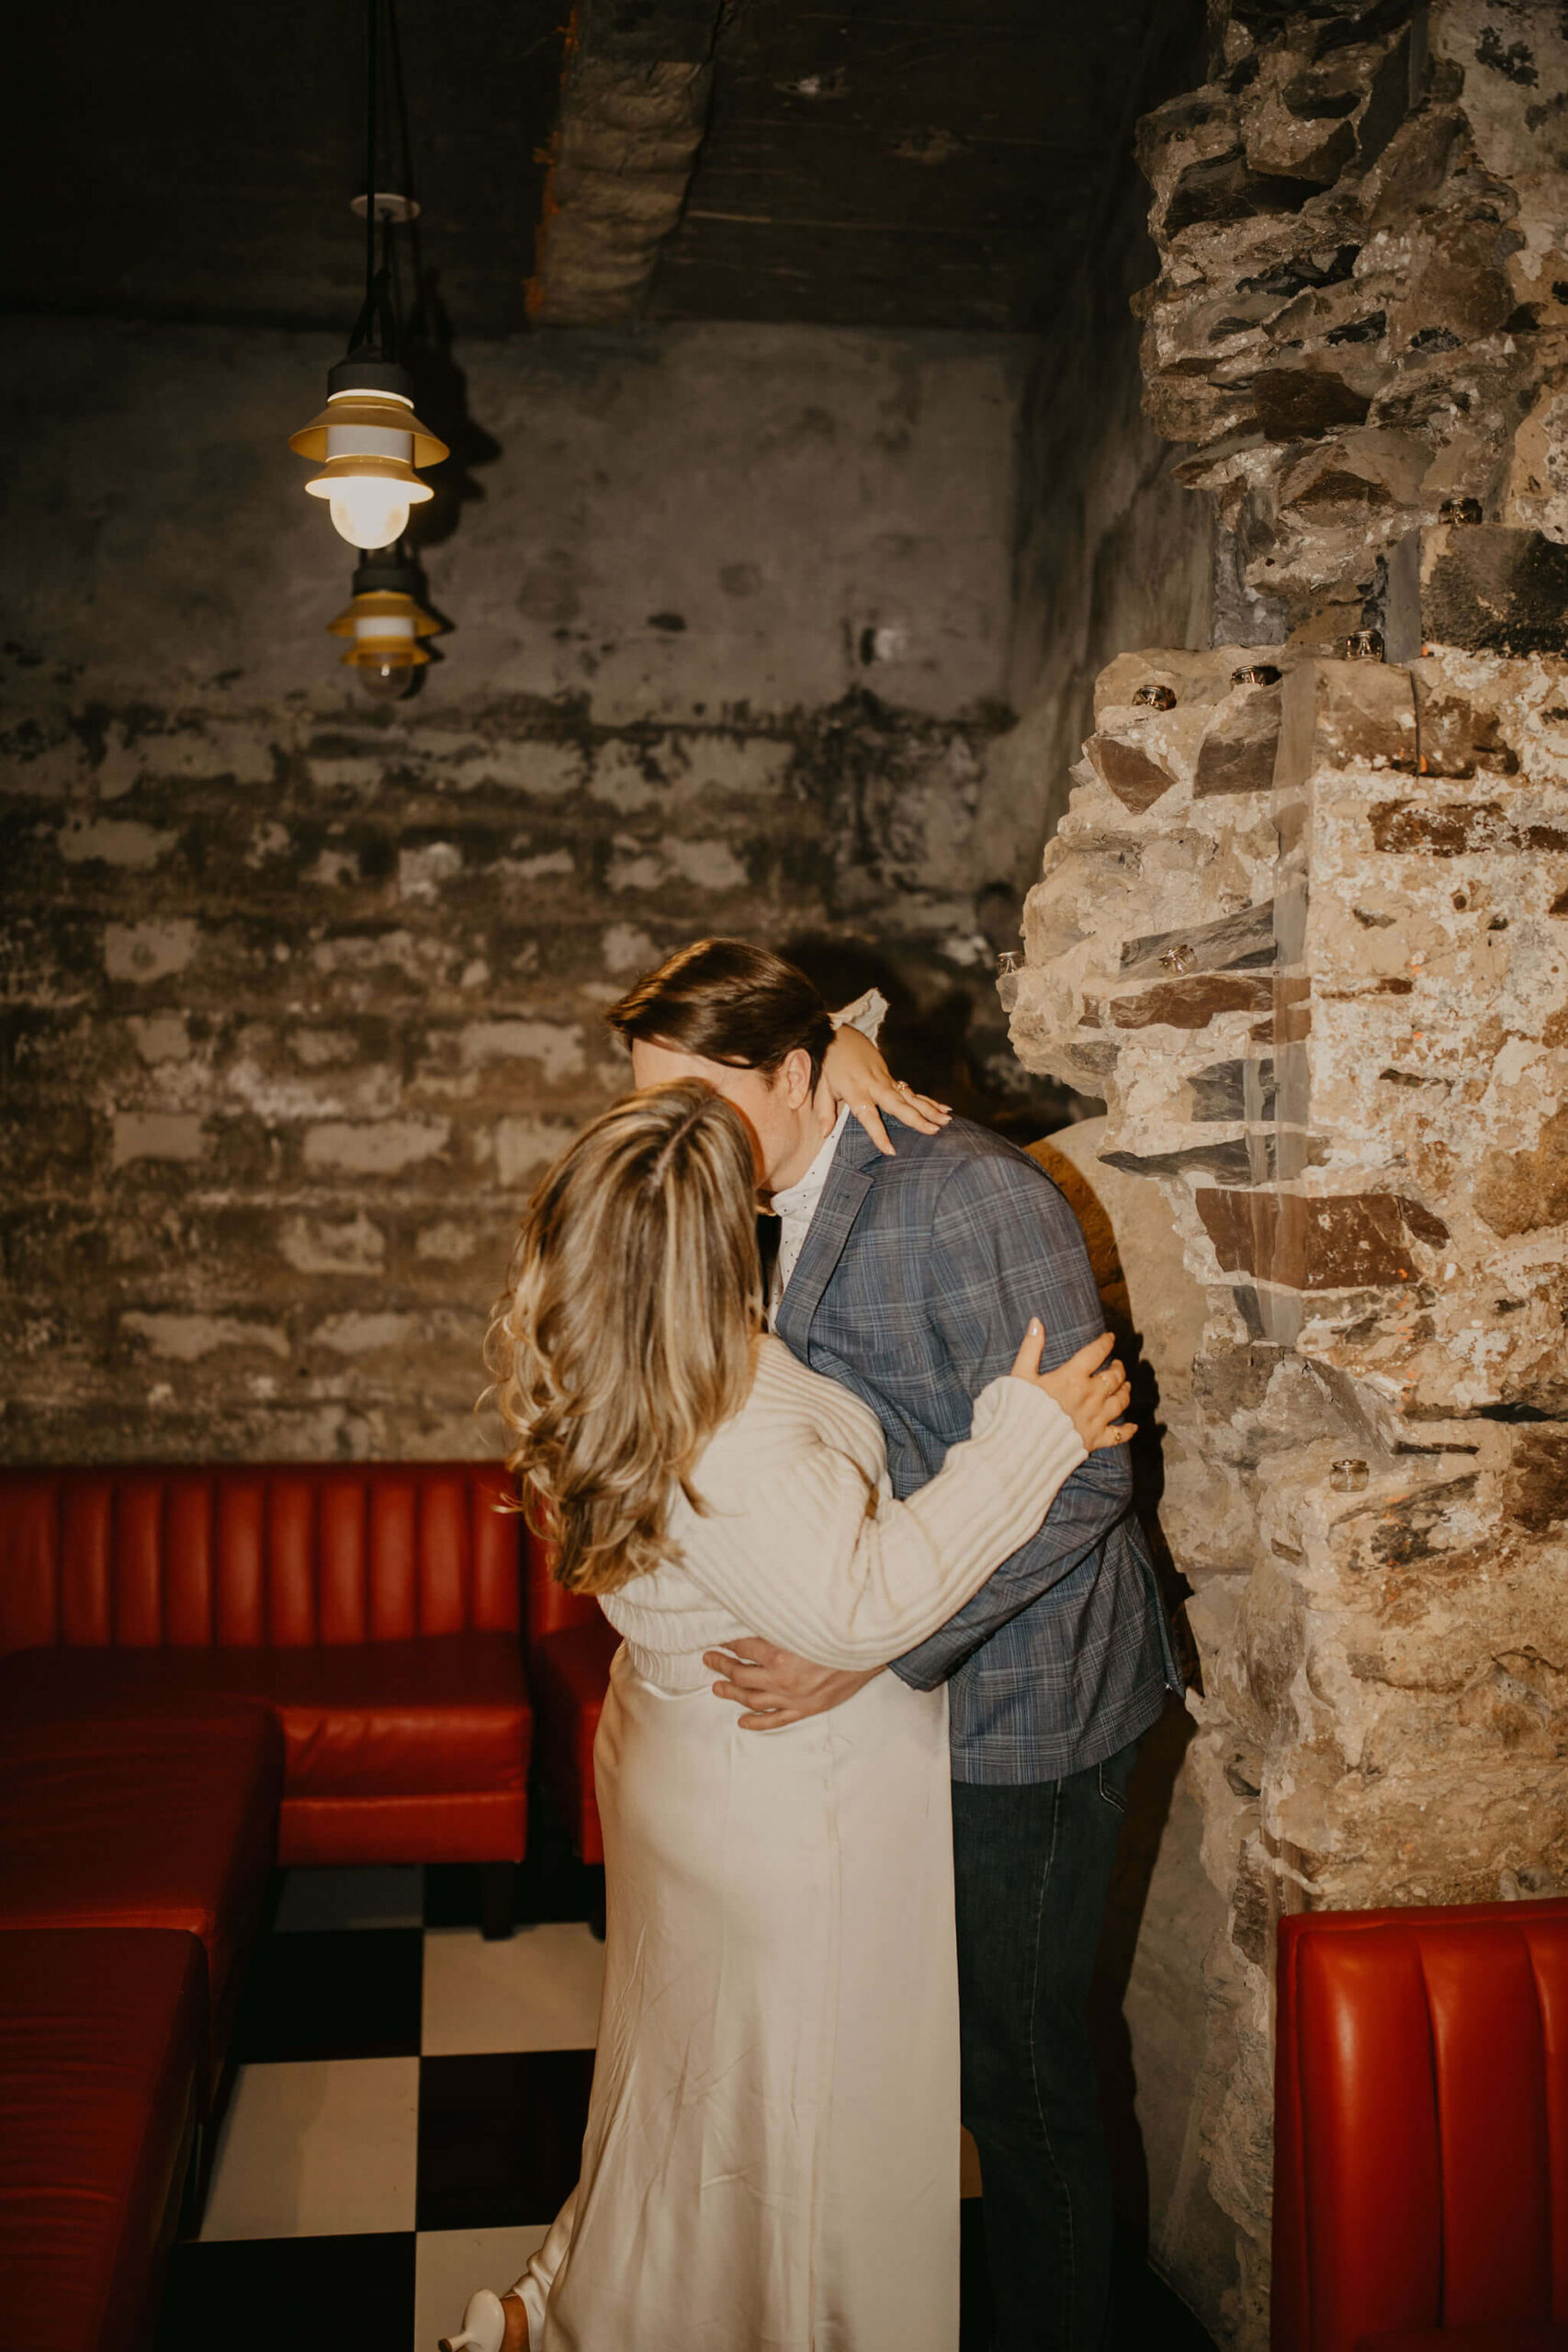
<point x="802" y="1542"/>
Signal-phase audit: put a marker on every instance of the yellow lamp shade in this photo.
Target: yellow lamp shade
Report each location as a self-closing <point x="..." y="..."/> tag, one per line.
<point x="383" y="614"/>
<point x="386" y="653"/>
<point x="371" y="441"/>
<point x="354" y="423"/>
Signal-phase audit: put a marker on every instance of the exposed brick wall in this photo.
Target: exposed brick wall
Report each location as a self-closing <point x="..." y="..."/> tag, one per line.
<point x="303" y="992"/>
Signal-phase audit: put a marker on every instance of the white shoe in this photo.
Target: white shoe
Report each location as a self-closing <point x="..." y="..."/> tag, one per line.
<point x="484" y="2325"/>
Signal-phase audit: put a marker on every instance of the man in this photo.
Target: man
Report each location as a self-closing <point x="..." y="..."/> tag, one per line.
<point x="909" y="1278"/>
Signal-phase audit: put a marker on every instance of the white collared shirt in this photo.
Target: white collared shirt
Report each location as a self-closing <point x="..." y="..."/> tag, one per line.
<point x="795" y="1206"/>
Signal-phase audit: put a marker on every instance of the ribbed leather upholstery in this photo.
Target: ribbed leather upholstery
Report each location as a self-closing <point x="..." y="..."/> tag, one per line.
<point x="550" y="1605"/>
<point x="241" y="1556"/>
<point x="571" y="1644"/>
<point x="375" y="1607"/>
<point x="101" y="2046"/>
<point x="1421" y="2150"/>
<point x="1510" y="2335"/>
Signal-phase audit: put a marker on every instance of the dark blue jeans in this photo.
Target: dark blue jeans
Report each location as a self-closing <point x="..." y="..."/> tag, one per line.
<point x="1032" y="1866"/>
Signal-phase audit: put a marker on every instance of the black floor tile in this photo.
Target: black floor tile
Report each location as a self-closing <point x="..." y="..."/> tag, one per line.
<point x="312" y="2294"/>
<point x="500" y="2136"/>
<point x="349" y="1992"/>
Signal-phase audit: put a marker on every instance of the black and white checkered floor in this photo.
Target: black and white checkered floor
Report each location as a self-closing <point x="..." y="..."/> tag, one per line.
<point x="407" y="2116"/>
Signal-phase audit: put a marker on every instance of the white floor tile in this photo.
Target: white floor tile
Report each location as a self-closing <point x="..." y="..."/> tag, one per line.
<point x="323" y="2148"/>
<point x="448" y="2266"/>
<point x="538" y="1990"/>
<point x="386" y="1898"/>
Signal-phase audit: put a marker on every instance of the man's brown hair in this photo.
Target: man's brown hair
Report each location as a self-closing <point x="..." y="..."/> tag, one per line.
<point x="729" y="1002"/>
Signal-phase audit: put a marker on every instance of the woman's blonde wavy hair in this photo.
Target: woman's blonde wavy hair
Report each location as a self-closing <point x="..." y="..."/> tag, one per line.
<point x="624" y="1335"/>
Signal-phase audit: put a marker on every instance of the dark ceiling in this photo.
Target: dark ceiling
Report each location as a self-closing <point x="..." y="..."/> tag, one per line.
<point x="191" y="162"/>
<point x="908" y="163"/>
<point x="899" y="162"/>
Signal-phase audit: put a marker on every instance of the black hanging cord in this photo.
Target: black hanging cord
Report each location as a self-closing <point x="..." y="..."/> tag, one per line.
<point x="376" y="334"/>
<point x="377" y="331"/>
<point x="398" y="128"/>
<point x="387" y="275"/>
<point x="372" y="107"/>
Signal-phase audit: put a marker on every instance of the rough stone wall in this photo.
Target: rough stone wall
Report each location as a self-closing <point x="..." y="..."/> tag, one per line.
<point x="1305" y="926"/>
<point x="1111" y="551"/>
<point x="1150" y="2005"/>
<point x="1327" y="1002"/>
<point x="301" y="991"/>
<point x="1362" y="307"/>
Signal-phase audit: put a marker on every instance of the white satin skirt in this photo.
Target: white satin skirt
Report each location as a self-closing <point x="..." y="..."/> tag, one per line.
<point x="771" y="2163"/>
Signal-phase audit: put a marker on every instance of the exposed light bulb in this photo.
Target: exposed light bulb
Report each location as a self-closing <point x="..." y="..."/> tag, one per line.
<point x="368" y="513"/>
<point x="385" y="681"/>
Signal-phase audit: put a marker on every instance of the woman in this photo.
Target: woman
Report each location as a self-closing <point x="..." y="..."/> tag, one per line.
<point x="771" y="2158"/>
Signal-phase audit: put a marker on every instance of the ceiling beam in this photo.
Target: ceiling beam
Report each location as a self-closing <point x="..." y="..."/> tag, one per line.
<point x="634" y="106"/>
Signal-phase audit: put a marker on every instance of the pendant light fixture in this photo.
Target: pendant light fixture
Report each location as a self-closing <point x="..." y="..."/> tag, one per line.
<point x="384" y="625"/>
<point x="368" y="437"/>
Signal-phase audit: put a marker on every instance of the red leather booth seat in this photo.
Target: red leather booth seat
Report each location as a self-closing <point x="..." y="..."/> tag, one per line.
<point x="374" y="1607"/>
<point x="169" y="1824"/>
<point x="1421" y="2148"/>
<point x="101" y="2042"/>
<point x="571" y="1644"/>
<point x="1506" y="2338"/>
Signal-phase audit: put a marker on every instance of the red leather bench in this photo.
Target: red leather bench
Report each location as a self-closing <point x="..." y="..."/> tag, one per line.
<point x="1421" y="2131"/>
<point x="102" y="2041"/>
<point x="120" y="1824"/>
<point x="375" y="1608"/>
<point x="571" y="1644"/>
<point x="202" y="1670"/>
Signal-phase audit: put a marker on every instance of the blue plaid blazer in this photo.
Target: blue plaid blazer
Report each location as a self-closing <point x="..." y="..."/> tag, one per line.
<point x="913" y="1287"/>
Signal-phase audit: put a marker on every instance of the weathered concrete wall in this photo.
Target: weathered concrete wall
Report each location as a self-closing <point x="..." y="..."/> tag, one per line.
<point x="301" y="991"/>
<point x="1305" y="927"/>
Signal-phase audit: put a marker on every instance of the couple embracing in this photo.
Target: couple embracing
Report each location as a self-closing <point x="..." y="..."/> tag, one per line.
<point x="843" y="1487"/>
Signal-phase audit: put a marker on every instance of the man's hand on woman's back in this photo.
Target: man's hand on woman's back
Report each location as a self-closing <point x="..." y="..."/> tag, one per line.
<point x="777" y="1688"/>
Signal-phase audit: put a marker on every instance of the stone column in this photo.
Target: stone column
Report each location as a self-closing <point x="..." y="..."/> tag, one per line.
<point x="1305" y="927"/>
<point x="1307" y="930"/>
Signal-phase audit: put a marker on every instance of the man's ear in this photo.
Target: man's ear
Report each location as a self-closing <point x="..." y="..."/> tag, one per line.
<point x="795" y="1077"/>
